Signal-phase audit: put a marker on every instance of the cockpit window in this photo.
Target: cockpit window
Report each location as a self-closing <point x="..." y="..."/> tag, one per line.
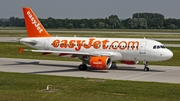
<point x="159" y="47"/>
<point x="163" y="47"/>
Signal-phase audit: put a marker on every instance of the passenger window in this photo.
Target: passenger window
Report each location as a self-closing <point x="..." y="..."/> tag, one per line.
<point x="154" y="47"/>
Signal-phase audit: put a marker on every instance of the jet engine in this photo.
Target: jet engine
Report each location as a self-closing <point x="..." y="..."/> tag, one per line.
<point x="100" y="62"/>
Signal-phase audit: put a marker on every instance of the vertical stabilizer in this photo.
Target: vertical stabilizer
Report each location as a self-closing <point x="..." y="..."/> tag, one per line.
<point x="33" y="25"/>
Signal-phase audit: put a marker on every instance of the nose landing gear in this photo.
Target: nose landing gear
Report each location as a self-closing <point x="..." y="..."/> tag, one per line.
<point x="146" y="68"/>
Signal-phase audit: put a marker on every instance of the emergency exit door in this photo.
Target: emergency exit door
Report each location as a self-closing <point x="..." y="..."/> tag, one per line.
<point x="46" y="44"/>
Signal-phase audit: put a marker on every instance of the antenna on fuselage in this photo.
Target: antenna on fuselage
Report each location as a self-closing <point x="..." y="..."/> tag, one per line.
<point x="144" y="38"/>
<point x="74" y="35"/>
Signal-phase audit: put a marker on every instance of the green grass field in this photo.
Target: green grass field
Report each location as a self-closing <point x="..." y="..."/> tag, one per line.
<point x="30" y="87"/>
<point x="110" y="30"/>
<point x="170" y="42"/>
<point x="111" y="33"/>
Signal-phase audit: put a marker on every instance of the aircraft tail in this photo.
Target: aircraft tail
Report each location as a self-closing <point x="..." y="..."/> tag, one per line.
<point x="33" y="25"/>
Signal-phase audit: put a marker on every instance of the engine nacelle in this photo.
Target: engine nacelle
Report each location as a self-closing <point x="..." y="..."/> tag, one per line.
<point x="100" y="62"/>
<point x="130" y="62"/>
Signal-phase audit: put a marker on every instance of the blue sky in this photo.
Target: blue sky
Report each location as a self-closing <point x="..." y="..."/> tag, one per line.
<point x="89" y="8"/>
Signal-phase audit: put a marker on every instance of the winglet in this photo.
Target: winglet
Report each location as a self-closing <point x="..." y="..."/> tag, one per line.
<point x="20" y="49"/>
<point x="33" y="25"/>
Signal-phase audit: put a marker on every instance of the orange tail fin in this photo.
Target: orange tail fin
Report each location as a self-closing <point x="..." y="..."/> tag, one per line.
<point x="33" y="25"/>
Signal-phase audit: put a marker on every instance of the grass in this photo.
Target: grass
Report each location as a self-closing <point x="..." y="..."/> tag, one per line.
<point x="84" y="34"/>
<point x="170" y="42"/>
<point x="30" y="87"/>
<point x="116" y="35"/>
<point x="10" y="50"/>
<point x="111" y="33"/>
<point x="12" y="28"/>
<point x="115" y="30"/>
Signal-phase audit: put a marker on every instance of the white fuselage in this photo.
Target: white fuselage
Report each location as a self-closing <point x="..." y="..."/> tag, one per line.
<point x="131" y="49"/>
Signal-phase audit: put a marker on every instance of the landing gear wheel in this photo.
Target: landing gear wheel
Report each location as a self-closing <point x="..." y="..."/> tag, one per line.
<point x="146" y="69"/>
<point x="82" y="67"/>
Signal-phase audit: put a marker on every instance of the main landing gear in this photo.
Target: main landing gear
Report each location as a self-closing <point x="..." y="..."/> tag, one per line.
<point x="82" y="67"/>
<point x="146" y="68"/>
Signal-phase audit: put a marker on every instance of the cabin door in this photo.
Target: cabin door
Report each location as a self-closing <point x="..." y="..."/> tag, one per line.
<point x="143" y="47"/>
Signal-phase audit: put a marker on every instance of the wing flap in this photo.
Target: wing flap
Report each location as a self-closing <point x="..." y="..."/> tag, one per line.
<point x="95" y="53"/>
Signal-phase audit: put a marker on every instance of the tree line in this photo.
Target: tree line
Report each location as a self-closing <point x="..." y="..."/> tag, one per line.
<point x="138" y="21"/>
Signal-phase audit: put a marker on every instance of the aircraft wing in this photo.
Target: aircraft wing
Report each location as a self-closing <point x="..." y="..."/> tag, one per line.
<point x="61" y="52"/>
<point x="74" y="53"/>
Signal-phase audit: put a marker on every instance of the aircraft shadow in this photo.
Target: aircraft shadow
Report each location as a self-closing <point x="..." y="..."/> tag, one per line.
<point x="114" y="67"/>
<point x="129" y="68"/>
<point x="68" y="70"/>
<point x="56" y="65"/>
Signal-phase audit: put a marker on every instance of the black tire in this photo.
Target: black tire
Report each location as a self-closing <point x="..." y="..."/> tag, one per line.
<point x="83" y="67"/>
<point x="146" y="69"/>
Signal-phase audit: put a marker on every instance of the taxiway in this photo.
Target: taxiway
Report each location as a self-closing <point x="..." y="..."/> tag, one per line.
<point x="167" y="74"/>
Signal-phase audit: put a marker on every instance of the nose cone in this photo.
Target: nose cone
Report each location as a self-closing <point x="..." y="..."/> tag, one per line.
<point x="168" y="54"/>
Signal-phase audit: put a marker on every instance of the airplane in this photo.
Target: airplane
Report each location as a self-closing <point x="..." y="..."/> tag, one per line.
<point x="99" y="53"/>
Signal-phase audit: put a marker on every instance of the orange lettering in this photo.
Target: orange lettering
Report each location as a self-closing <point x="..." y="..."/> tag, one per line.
<point x="104" y="42"/>
<point x="71" y="43"/>
<point x="87" y="46"/>
<point x="97" y="44"/>
<point x="113" y="46"/>
<point x="132" y="43"/>
<point x="79" y="44"/>
<point x="124" y="46"/>
<point x="63" y="44"/>
<point x="55" y="43"/>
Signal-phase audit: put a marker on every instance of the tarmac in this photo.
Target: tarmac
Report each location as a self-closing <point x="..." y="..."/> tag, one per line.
<point x="165" y="74"/>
